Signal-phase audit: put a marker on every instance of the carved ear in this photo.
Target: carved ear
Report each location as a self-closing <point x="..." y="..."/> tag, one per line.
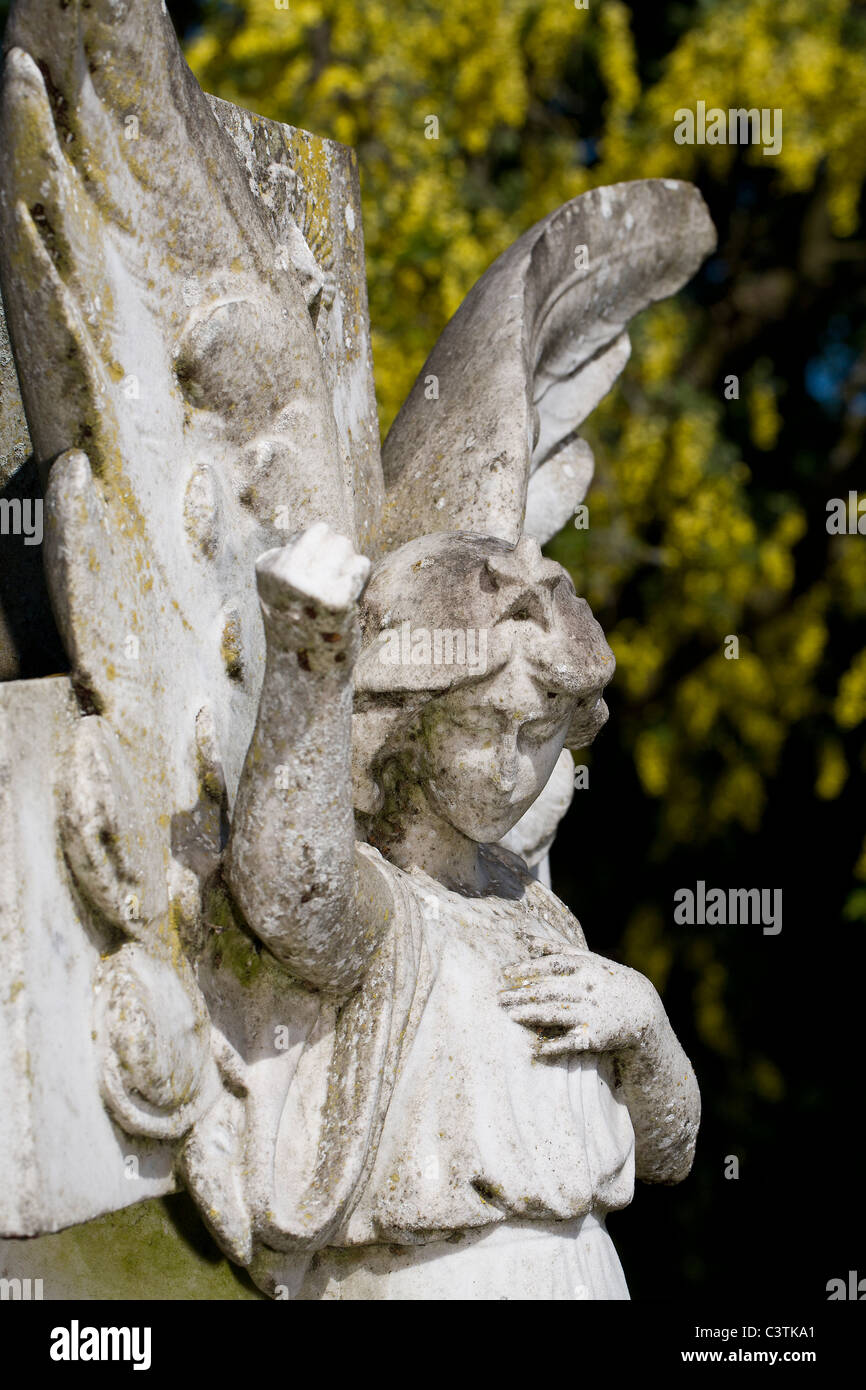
<point x="531" y="351"/>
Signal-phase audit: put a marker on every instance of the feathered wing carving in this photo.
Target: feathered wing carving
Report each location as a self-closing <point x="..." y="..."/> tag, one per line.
<point x="157" y="331"/>
<point x="183" y="423"/>
<point x="493" y="446"/>
<point x="488" y="439"/>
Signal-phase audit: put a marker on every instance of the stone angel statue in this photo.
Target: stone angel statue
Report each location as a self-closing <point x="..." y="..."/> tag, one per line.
<point x="474" y="1088"/>
<point x="371" y="1043"/>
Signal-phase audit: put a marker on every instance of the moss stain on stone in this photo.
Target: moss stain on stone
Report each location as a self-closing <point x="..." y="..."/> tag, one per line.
<point x="155" y="1250"/>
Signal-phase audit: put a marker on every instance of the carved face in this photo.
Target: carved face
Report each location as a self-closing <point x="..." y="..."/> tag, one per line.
<point x="489" y="749"/>
<point x="486" y="718"/>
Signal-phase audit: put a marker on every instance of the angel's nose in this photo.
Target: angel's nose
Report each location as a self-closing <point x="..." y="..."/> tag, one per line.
<point x="509" y="761"/>
<point x="589" y="718"/>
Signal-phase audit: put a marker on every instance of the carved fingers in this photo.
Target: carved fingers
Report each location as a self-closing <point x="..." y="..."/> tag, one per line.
<point x="580" y="1002"/>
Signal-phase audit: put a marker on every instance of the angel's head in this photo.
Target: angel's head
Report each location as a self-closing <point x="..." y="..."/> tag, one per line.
<point x="479" y="664"/>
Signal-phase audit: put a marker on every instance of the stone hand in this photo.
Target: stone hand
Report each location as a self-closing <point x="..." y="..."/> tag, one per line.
<point x="594" y="1004"/>
<point x="309" y="590"/>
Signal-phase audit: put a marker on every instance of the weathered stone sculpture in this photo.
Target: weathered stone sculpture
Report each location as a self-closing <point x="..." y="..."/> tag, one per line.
<point x="474" y="1071"/>
<point x="375" y="1049"/>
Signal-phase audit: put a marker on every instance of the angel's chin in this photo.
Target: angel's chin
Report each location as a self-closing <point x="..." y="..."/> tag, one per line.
<point x="494" y="818"/>
<point x="488" y="831"/>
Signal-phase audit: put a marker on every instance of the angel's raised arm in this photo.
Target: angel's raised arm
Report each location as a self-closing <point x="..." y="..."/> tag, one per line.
<point x="291" y="861"/>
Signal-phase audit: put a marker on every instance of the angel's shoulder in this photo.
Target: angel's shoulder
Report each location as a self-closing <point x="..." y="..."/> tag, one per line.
<point x="378" y="891"/>
<point x="555" y="913"/>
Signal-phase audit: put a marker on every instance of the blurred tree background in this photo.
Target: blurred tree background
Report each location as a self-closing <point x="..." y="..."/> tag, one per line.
<point x="707" y="519"/>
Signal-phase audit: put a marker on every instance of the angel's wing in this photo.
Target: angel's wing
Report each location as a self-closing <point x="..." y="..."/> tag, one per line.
<point x="487" y="440"/>
<point x="162" y="335"/>
<point x="177" y="369"/>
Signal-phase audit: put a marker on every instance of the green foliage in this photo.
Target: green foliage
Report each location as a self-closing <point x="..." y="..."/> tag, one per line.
<point x="536" y="102"/>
